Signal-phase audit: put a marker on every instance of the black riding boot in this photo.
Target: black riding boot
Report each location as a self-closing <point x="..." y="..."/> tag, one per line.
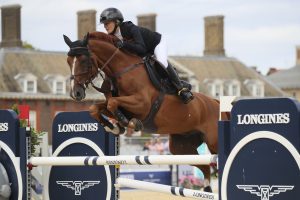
<point x="184" y="93"/>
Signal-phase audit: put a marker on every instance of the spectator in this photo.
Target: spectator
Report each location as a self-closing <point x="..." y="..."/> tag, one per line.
<point x="159" y="146"/>
<point x="146" y="146"/>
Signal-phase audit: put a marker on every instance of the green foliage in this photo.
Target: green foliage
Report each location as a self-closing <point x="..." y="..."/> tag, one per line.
<point x="28" y="46"/>
<point x="34" y="135"/>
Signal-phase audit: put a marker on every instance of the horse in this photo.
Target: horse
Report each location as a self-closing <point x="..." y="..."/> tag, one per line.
<point x="188" y="125"/>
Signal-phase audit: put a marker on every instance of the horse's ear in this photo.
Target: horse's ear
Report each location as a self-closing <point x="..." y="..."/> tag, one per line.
<point x="86" y="39"/>
<point x="67" y="40"/>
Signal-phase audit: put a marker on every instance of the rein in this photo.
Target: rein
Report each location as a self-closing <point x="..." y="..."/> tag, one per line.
<point x="108" y="61"/>
<point x="127" y="69"/>
<point x="75" y="51"/>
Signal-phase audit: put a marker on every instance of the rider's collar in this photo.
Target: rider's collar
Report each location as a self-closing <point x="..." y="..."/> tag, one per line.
<point x="118" y="33"/>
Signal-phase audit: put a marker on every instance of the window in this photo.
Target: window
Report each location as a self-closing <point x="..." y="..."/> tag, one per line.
<point x="27" y="82"/>
<point x="60" y="87"/>
<point x="218" y="90"/>
<point x="255" y="87"/>
<point x="56" y="83"/>
<point x="214" y="87"/>
<point x="30" y="86"/>
<point x="258" y="91"/>
<point x="235" y="90"/>
<point x="232" y="88"/>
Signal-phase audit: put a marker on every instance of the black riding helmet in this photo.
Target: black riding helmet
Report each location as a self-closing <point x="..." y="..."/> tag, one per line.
<point x="111" y="14"/>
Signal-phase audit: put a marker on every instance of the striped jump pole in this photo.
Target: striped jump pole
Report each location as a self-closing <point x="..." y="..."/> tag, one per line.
<point x="124" y="160"/>
<point x="154" y="187"/>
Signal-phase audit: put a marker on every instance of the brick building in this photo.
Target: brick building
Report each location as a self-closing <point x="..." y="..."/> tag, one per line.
<point x="289" y="79"/>
<point x="38" y="78"/>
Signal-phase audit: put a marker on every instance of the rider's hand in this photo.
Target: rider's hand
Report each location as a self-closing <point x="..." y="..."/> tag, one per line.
<point x="119" y="44"/>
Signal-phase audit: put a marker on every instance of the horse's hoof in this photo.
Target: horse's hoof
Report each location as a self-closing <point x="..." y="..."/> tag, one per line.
<point x="136" y="124"/>
<point x="117" y="131"/>
<point x="207" y="189"/>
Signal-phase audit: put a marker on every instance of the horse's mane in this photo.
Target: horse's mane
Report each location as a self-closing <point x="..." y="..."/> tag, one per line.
<point x="102" y="36"/>
<point x="107" y="38"/>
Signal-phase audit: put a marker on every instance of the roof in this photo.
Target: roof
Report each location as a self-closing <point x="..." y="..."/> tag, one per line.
<point x="14" y="61"/>
<point x="287" y="79"/>
<point x="226" y="68"/>
<point x="42" y="64"/>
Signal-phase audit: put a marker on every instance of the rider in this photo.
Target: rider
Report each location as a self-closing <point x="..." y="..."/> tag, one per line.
<point x="142" y="42"/>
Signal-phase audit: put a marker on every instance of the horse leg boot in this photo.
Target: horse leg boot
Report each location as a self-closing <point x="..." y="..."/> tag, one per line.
<point x="122" y="119"/>
<point x="184" y="93"/>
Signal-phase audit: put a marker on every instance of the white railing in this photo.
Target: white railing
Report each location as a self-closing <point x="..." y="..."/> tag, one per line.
<point x="124" y="160"/>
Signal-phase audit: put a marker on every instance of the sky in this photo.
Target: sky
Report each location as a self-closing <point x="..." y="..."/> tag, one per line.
<point x="261" y="33"/>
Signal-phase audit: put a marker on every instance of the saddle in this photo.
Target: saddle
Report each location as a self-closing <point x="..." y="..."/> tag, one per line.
<point x="159" y="76"/>
<point x="160" y="79"/>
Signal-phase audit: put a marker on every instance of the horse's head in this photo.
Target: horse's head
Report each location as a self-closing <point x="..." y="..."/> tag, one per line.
<point x="82" y="69"/>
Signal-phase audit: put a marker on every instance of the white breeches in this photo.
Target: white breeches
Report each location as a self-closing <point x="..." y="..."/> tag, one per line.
<point x="161" y="53"/>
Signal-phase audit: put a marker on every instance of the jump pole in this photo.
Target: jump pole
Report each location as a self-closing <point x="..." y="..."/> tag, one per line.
<point x="154" y="187"/>
<point x="124" y="160"/>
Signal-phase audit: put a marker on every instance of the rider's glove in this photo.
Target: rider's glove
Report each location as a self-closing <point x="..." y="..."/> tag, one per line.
<point x="119" y="44"/>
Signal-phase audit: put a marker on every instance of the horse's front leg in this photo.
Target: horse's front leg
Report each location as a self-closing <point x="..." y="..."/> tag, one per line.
<point x="98" y="110"/>
<point x="133" y="104"/>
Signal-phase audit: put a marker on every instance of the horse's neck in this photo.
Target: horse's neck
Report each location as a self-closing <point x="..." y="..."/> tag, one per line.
<point x="108" y="56"/>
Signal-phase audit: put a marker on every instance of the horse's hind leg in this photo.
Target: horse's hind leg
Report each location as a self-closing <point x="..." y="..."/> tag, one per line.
<point x="187" y="144"/>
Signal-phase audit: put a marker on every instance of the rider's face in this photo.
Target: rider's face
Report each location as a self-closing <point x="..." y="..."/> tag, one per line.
<point x="110" y="26"/>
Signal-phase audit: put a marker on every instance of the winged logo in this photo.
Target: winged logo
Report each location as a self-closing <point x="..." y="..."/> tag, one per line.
<point x="77" y="186"/>
<point x="265" y="191"/>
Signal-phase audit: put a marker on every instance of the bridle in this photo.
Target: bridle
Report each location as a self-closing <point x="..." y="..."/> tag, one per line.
<point x="76" y="51"/>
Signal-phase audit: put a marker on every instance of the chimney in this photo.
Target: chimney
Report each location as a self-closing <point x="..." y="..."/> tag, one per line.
<point x="214" y="36"/>
<point x="86" y="22"/>
<point x="272" y="70"/>
<point x="147" y="21"/>
<point x="11" y="26"/>
<point x="298" y="55"/>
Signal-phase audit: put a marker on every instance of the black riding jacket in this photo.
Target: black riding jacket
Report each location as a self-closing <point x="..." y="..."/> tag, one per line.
<point x="139" y="40"/>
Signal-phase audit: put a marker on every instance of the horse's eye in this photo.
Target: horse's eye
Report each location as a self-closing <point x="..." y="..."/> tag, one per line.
<point x="85" y="62"/>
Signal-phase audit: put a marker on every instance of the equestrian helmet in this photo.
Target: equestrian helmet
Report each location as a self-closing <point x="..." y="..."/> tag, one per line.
<point x="111" y="14"/>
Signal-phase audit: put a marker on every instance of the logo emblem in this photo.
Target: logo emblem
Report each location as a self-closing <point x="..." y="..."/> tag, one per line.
<point x="265" y="191"/>
<point x="151" y="175"/>
<point x="77" y="186"/>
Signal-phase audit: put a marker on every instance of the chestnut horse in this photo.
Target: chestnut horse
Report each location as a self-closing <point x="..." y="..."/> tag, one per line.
<point x="188" y="125"/>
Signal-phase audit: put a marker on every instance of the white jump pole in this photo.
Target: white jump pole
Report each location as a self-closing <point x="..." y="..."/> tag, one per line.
<point x="154" y="187"/>
<point x="124" y="160"/>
